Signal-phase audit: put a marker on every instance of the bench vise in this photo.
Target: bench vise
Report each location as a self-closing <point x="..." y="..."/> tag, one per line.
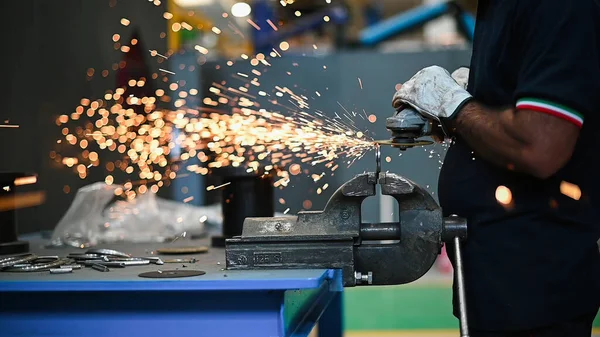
<point x="336" y="238"/>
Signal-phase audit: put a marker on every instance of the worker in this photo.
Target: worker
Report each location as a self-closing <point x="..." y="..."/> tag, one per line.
<point x="522" y="165"/>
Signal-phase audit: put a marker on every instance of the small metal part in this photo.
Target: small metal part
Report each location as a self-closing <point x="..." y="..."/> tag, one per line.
<point x="134" y="262"/>
<point x="377" y="160"/>
<point x="104" y="251"/>
<point x="61" y="270"/>
<point x="100" y="267"/>
<point x="38" y="266"/>
<point x="154" y="259"/>
<point x="16" y="259"/>
<point x="76" y="256"/>
<point x="41" y="259"/>
<point x="362" y="278"/>
<point x="117" y="264"/>
<point x="21" y="265"/>
<point x="182" y="250"/>
<point x="192" y="260"/>
<point x="72" y="266"/>
<point x="172" y="273"/>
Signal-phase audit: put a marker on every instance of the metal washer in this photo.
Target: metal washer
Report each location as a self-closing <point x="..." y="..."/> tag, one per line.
<point x="172" y="273"/>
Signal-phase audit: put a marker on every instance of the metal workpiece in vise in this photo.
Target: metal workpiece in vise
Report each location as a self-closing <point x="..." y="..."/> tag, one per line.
<point x="336" y="238"/>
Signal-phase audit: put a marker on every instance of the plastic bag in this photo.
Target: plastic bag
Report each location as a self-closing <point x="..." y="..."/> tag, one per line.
<point x="95" y="217"/>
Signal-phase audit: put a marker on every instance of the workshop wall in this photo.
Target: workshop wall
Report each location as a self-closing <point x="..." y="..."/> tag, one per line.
<point x="51" y="46"/>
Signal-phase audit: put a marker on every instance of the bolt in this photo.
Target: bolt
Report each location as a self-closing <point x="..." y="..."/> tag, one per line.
<point x="345" y="214"/>
<point x="360" y="278"/>
<point x="368" y="278"/>
<point x="278" y="227"/>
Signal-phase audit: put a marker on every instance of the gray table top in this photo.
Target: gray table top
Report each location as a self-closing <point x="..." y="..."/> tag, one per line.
<point x="126" y="279"/>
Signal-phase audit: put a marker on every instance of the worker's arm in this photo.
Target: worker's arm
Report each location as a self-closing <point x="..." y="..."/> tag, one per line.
<point x="523" y="140"/>
<point x="556" y="85"/>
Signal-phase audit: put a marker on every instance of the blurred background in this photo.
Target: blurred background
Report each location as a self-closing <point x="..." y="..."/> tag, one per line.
<point x="65" y="61"/>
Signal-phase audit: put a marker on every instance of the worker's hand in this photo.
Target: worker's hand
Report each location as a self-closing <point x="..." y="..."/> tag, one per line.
<point x="461" y="76"/>
<point x="434" y="93"/>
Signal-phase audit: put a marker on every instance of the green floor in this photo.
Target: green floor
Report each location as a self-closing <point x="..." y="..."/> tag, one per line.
<point x="397" y="308"/>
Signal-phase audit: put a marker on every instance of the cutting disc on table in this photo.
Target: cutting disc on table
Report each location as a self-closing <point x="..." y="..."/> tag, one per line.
<point x="182" y="250"/>
<point x="172" y="273"/>
<point x="404" y="145"/>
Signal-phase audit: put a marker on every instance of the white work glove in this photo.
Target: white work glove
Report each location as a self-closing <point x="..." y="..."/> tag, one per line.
<point x="461" y="76"/>
<point x="435" y="94"/>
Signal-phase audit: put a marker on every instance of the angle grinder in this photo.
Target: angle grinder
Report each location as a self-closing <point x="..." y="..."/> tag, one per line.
<point x="407" y="126"/>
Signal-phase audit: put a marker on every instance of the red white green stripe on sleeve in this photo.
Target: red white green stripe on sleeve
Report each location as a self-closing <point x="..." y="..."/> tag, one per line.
<point x="551" y="108"/>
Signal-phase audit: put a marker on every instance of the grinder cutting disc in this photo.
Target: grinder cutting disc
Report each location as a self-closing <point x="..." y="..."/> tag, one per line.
<point x="404" y="145"/>
<point x="182" y="250"/>
<point x="172" y="273"/>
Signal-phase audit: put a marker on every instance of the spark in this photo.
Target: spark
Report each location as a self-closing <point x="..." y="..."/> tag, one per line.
<point x="166" y="71"/>
<point x="286" y="210"/>
<point x="503" y="195"/>
<point x="25" y="180"/>
<point x="201" y="49"/>
<point x="279" y="132"/>
<point x="272" y="24"/>
<point x="360" y="83"/>
<point x="570" y="190"/>
<point x="276" y="52"/>
<point x="155" y="53"/>
<point x="188" y="199"/>
<point x="187" y="26"/>
<point x="212" y="187"/>
<point x="253" y="24"/>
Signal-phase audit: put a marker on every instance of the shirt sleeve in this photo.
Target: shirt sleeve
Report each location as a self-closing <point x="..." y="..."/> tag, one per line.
<point x="560" y="58"/>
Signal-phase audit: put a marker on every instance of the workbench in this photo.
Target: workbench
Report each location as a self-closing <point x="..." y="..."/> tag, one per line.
<point x="87" y="302"/>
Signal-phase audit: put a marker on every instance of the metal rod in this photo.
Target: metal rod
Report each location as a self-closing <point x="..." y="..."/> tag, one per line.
<point x="380" y="231"/>
<point x="462" y="303"/>
<point x="377" y="160"/>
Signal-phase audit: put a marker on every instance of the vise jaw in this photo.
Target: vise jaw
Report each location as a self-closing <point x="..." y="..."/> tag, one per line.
<point x="336" y="238"/>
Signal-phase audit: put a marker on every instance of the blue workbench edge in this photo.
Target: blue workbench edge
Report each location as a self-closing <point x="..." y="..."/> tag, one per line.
<point x="173" y="285"/>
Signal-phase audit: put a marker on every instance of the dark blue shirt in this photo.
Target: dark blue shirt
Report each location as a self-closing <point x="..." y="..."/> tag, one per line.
<point x="535" y="261"/>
